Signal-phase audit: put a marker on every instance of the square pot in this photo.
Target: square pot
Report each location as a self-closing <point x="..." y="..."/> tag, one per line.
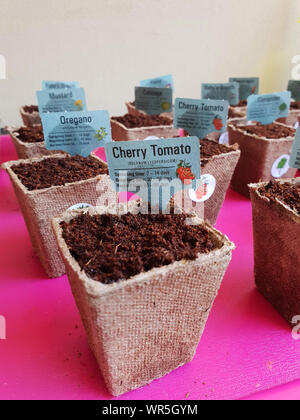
<point x="40" y="206"/>
<point x="27" y="150"/>
<point x="294" y="114"/>
<point x="221" y="167"/>
<point x="29" y="116"/>
<point x="259" y="156"/>
<point x="216" y="135"/>
<point x="276" y="230"/>
<point x="181" y="199"/>
<point x="291" y="119"/>
<point x="131" y="109"/>
<point x="144" y="327"/>
<point x="121" y="133"/>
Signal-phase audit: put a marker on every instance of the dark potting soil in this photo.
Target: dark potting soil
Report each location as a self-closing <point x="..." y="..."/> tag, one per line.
<point x="211" y="148"/>
<point x="131" y="121"/>
<point x="30" y="134"/>
<point x="111" y="248"/>
<point x="58" y="171"/>
<point x="31" y="108"/>
<point x="270" y="131"/>
<point x="288" y="193"/>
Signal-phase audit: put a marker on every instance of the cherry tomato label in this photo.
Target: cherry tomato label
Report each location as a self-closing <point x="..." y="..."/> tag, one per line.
<point x="200" y="117"/>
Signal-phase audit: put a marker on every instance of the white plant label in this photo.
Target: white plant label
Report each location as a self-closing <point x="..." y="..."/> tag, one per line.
<point x="205" y="191"/>
<point x="224" y="138"/>
<point x="79" y="206"/>
<point x="280" y="166"/>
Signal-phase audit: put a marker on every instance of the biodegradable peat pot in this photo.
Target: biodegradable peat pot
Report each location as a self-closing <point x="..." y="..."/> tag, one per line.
<point x="144" y="327"/>
<point x="181" y="199"/>
<point x="41" y="205"/>
<point x="30" y="115"/>
<point x="221" y="166"/>
<point x="260" y="155"/>
<point x="291" y="119"/>
<point x="120" y="132"/>
<point x="276" y="229"/>
<point x="294" y="115"/>
<point x="219" y="162"/>
<point x="131" y="109"/>
<point x="216" y="135"/>
<point x="26" y="150"/>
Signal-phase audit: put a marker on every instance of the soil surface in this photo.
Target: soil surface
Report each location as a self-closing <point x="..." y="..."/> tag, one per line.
<point x="110" y="248"/>
<point x="132" y="121"/>
<point x="30" y="134"/>
<point x="58" y="171"/>
<point x="288" y="193"/>
<point x="270" y="131"/>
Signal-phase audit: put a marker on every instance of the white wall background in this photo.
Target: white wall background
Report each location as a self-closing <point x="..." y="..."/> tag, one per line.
<point x="109" y="45"/>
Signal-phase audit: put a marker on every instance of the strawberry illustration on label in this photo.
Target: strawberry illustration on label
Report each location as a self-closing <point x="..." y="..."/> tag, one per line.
<point x="184" y="172"/>
<point x="218" y="123"/>
<point x="253" y="90"/>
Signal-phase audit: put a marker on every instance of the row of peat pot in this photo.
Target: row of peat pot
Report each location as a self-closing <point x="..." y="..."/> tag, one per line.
<point x="257" y="162"/>
<point x="143" y="327"/>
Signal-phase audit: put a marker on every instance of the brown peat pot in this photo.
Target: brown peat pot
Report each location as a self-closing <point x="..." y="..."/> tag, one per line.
<point x="265" y="151"/>
<point x="276" y="230"/>
<point x="144" y="325"/>
<point x="40" y="205"/>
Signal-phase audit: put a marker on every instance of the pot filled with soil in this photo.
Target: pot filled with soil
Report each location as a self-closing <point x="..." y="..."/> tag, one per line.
<point x="45" y="187"/>
<point x="130" y="127"/>
<point x="276" y="230"/>
<point x="144" y="285"/>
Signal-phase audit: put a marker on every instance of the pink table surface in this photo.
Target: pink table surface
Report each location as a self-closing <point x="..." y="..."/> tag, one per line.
<point x="246" y="347"/>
